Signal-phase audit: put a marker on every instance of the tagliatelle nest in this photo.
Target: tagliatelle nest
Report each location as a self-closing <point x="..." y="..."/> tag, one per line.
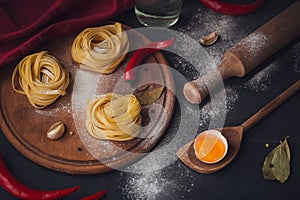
<point x="114" y="117"/>
<point x="100" y="49"/>
<point x="41" y="78"/>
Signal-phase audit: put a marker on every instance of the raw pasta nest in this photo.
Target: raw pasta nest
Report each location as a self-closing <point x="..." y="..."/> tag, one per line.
<point x="114" y="117"/>
<point x="100" y="49"/>
<point x="41" y="78"/>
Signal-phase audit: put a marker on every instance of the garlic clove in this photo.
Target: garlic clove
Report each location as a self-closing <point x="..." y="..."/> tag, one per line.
<point x="209" y="39"/>
<point x="56" y="131"/>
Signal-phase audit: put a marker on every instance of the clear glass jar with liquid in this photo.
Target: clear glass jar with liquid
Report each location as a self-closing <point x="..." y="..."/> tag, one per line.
<point x="158" y="13"/>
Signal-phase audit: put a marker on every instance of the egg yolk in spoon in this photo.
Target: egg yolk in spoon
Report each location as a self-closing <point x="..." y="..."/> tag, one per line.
<point x="210" y="146"/>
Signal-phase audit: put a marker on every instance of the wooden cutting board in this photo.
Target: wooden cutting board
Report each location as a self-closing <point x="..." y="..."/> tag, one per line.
<point x="25" y="127"/>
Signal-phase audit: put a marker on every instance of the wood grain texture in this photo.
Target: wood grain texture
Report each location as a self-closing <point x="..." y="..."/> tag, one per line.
<point x="25" y="127"/>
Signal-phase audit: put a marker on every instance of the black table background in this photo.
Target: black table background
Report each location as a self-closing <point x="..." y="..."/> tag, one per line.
<point x="242" y="179"/>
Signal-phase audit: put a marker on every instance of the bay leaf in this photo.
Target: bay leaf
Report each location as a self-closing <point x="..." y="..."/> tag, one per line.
<point x="148" y="95"/>
<point x="267" y="166"/>
<point x="281" y="169"/>
<point x="287" y="149"/>
<point x="277" y="163"/>
<point x="142" y="88"/>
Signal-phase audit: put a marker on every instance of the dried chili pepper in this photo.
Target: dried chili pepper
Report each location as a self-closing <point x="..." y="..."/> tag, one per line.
<point x="141" y="54"/>
<point x="95" y="196"/>
<point x="19" y="190"/>
<point x="232" y="9"/>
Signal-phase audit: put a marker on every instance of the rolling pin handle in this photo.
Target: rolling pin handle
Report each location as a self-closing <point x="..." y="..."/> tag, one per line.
<point x="193" y="93"/>
<point x="196" y="91"/>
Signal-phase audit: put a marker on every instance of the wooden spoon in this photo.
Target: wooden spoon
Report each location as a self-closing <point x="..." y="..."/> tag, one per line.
<point x="233" y="135"/>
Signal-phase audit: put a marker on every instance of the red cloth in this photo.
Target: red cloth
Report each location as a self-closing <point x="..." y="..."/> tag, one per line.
<point x="26" y="23"/>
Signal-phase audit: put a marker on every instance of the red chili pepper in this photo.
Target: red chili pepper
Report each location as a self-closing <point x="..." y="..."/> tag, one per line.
<point x="19" y="190"/>
<point x="232" y="9"/>
<point x="141" y="54"/>
<point x="95" y="196"/>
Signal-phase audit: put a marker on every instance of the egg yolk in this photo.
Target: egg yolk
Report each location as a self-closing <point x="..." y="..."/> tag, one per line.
<point x="209" y="148"/>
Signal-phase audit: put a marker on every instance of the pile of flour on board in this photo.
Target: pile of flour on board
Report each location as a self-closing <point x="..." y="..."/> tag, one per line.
<point x="65" y="108"/>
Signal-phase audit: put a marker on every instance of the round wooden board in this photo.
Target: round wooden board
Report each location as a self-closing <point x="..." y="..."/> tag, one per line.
<point x="25" y="127"/>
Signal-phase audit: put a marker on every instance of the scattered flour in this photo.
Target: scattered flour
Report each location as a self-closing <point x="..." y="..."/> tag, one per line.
<point x="153" y="180"/>
<point x="159" y="185"/>
<point x="64" y="107"/>
<point x="215" y="109"/>
<point x="205" y="22"/>
<point x="254" y="43"/>
<point x="261" y="80"/>
<point x="158" y="182"/>
<point x="295" y="56"/>
<point x="147" y="186"/>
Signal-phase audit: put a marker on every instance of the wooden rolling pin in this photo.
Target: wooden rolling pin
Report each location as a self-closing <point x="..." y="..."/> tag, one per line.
<point x="248" y="53"/>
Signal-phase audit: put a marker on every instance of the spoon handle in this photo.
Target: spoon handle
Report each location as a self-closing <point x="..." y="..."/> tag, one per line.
<point x="267" y="109"/>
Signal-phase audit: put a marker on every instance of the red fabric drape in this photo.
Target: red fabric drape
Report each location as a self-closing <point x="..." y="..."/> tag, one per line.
<point x="26" y="23"/>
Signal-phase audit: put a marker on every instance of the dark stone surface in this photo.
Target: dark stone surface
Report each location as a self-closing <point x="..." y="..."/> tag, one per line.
<point x="242" y="179"/>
